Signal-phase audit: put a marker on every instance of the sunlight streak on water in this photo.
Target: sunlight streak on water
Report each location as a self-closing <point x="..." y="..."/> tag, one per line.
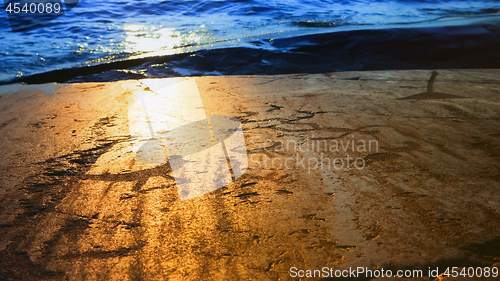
<point x="102" y="31"/>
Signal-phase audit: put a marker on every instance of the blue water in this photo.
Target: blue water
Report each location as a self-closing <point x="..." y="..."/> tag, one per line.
<point x="99" y="31"/>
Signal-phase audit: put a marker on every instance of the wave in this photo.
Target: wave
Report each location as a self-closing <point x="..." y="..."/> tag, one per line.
<point x="427" y="45"/>
<point x="97" y="32"/>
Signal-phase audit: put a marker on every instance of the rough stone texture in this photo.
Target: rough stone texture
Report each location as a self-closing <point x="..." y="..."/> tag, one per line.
<point x="76" y="205"/>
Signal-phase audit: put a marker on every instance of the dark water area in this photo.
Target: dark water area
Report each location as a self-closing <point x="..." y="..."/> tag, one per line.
<point x="113" y="40"/>
<point x="388" y="49"/>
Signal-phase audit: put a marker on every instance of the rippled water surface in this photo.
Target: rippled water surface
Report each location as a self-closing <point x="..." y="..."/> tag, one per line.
<point x="101" y="31"/>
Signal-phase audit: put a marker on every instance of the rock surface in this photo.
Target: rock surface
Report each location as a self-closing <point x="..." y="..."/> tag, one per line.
<point x="77" y="205"/>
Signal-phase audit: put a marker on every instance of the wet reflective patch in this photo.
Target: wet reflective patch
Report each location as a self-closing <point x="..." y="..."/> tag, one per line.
<point x="170" y="122"/>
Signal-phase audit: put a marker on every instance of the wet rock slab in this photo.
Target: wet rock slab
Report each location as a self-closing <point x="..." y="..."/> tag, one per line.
<point x="76" y="204"/>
